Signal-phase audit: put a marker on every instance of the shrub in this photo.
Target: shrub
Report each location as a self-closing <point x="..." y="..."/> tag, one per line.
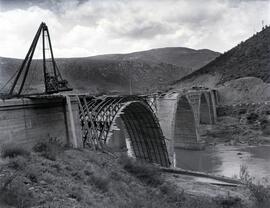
<point x="252" y="117"/>
<point x="172" y="193"/>
<point x="76" y="193"/>
<point x="15" y="193"/>
<point x="100" y="182"/>
<point x="18" y="163"/>
<point x="228" y="201"/>
<point x="259" y="191"/>
<point x="49" y="148"/>
<point x="147" y="173"/>
<point x="32" y="175"/>
<point x="12" y="151"/>
<point x="48" y="177"/>
<point x="265" y="126"/>
<point x="116" y="176"/>
<point x="244" y="175"/>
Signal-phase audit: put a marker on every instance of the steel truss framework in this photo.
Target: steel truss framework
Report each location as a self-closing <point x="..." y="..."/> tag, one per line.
<point x="98" y="114"/>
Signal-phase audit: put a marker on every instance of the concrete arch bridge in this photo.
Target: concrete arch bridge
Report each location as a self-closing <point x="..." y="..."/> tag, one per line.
<point x="149" y="127"/>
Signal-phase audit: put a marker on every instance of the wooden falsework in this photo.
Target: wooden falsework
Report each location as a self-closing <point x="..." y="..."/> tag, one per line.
<point x="98" y="116"/>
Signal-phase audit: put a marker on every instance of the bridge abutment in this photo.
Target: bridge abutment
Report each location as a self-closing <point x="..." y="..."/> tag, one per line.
<point x="25" y="122"/>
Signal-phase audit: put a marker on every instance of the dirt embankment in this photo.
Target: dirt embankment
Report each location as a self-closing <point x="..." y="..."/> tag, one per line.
<point x="244" y="90"/>
<point x="53" y="177"/>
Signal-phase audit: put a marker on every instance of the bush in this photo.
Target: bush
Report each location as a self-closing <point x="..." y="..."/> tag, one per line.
<point x="100" y="182"/>
<point x="32" y="175"/>
<point x="15" y="193"/>
<point x="147" y="173"/>
<point x="228" y="201"/>
<point x="49" y="148"/>
<point x="76" y="193"/>
<point x="252" y="117"/>
<point x="18" y="163"/>
<point x="12" y="151"/>
<point x="259" y="191"/>
<point x="172" y="193"/>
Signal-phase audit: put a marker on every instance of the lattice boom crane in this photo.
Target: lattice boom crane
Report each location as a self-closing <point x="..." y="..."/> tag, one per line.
<point x="53" y="80"/>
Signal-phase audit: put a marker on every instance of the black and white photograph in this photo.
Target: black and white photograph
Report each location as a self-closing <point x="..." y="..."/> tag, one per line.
<point x="134" y="103"/>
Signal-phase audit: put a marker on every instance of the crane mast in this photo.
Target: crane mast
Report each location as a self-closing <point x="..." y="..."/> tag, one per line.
<point x="53" y="80"/>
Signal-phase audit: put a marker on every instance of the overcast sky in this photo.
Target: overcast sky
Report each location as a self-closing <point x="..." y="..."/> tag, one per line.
<point x="91" y="27"/>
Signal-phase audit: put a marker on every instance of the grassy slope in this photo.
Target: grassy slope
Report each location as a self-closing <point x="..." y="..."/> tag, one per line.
<point x="83" y="178"/>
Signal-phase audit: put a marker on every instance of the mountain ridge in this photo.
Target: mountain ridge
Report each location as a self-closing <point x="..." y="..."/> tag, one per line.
<point x="139" y="72"/>
<point x="170" y="55"/>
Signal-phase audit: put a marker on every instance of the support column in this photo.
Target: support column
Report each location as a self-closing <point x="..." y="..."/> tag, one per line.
<point x="210" y="106"/>
<point x="73" y="122"/>
<point x="195" y="101"/>
<point x="214" y="107"/>
<point x="166" y="109"/>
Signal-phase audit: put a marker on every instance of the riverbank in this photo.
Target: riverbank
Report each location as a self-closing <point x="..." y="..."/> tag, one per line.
<point x="58" y="177"/>
<point x="230" y="130"/>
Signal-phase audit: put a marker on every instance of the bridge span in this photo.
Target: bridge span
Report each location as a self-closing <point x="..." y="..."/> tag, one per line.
<point x="148" y="127"/>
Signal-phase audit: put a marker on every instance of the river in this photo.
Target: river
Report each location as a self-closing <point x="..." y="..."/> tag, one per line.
<point x="226" y="160"/>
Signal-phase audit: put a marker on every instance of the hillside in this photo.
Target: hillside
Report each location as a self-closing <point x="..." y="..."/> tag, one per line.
<point x="179" y="56"/>
<point x="141" y="72"/>
<point x="59" y="177"/>
<point x="248" y="59"/>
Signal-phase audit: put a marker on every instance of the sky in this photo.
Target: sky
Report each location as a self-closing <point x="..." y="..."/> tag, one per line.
<point x="80" y="28"/>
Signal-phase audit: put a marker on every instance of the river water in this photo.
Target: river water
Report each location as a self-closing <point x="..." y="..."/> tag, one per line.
<point x="226" y="160"/>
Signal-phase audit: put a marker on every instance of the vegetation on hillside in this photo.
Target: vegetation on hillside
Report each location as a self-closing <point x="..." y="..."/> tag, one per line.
<point x="249" y="58"/>
<point x="260" y="190"/>
<point x="54" y="176"/>
<point x="178" y="56"/>
<point x="139" y="72"/>
<point x="240" y="125"/>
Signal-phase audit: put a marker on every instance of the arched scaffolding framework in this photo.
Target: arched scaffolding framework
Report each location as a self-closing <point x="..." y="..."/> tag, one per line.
<point x="98" y="116"/>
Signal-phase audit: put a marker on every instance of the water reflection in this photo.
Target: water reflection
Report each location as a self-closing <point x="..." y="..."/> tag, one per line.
<point x="226" y="160"/>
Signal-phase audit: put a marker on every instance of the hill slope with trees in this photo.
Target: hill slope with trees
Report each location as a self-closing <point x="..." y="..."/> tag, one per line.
<point x="250" y="58"/>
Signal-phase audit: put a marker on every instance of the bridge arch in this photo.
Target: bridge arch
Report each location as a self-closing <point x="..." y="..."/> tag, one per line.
<point x="184" y="130"/>
<point x="141" y="124"/>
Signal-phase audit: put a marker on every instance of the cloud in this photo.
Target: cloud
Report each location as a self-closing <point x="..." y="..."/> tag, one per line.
<point x="90" y="27"/>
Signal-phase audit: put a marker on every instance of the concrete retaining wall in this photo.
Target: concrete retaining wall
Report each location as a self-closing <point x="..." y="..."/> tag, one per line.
<point x="26" y="121"/>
